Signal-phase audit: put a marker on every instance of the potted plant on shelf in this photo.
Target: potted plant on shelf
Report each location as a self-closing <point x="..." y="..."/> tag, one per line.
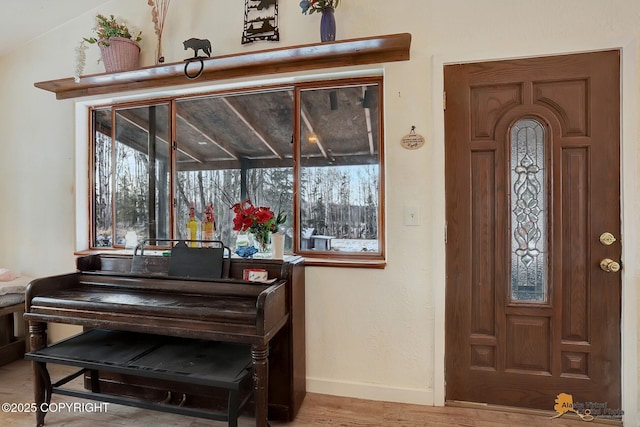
<point x="117" y="42"/>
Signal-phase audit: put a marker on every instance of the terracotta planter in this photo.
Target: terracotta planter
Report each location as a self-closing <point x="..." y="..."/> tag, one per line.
<point x="121" y="55"/>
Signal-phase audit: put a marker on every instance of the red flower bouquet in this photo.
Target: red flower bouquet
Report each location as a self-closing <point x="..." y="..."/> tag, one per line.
<point x="259" y="221"/>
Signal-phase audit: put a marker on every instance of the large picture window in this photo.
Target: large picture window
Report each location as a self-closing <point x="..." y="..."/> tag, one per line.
<point x="312" y="152"/>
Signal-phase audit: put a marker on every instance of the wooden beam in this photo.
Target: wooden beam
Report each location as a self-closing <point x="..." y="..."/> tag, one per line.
<point x="233" y="106"/>
<point x="367" y="117"/>
<point x="314" y="161"/>
<point x="144" y="126"/>
<point x="304" y="115"/>
<point x="231" y="154"/>
<point x="344" y="53"/>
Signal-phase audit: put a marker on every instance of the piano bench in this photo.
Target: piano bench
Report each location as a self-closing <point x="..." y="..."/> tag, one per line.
<point x="213" y="364"/>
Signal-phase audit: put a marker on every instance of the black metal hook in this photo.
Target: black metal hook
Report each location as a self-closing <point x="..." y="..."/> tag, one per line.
<point x="189" y="61"/>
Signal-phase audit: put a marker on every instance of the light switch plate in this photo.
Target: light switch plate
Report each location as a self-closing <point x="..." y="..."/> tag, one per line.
<point x="411" y="215"/>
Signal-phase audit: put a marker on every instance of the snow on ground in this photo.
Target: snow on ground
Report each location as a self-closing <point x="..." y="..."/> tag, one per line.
<point x="354" y="245"/>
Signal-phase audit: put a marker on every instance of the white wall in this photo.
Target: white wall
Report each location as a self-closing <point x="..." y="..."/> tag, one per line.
<point x="370" y="333"/>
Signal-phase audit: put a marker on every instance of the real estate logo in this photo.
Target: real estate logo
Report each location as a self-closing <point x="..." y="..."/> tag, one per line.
<point x="587" y="411"/>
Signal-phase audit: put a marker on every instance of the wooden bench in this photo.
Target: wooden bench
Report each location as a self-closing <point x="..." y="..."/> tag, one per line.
<point x="220" y="365"/>
<point x="12" y="330"/>
<point x="12" y="345"/>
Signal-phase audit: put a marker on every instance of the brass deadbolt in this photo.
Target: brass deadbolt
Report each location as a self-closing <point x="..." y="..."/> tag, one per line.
<point x="607" y="238"/>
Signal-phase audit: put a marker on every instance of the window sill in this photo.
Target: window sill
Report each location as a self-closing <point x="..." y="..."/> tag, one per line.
<point x="344" y="263"/>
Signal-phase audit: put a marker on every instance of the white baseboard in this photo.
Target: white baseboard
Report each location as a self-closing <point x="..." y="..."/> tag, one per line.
<point x="370" y="391"/>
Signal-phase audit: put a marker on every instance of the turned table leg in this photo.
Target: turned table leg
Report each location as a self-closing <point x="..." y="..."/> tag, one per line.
<point x="260" y="356"/>
<point x="37" y="341"/>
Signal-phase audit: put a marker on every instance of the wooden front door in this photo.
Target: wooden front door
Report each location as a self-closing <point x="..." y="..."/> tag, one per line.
<point x="532" y="181"/>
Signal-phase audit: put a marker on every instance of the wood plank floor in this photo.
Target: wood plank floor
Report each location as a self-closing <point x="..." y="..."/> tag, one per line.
<point x="317" y="410"/>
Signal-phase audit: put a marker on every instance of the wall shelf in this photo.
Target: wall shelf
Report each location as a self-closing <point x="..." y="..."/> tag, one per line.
<point x="369" y="50"/>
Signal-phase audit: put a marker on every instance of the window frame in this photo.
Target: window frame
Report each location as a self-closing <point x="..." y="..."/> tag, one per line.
<point x="371" y="259"/>
<point x="329" y="255"/>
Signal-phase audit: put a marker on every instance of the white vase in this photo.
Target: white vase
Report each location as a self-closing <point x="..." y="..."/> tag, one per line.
<point x="277" y="245"/>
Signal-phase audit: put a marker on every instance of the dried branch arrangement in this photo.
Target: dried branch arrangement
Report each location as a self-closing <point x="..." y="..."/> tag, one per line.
<point x="158" y="14"/>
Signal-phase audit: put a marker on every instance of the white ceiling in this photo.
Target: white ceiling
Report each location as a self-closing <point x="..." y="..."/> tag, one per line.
<point x="24" y="20"/>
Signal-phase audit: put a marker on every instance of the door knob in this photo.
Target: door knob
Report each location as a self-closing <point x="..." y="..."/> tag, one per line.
<point x="609" y="265"/>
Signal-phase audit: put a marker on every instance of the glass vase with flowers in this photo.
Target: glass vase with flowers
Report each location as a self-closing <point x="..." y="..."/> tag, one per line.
<point x="260" y="221"/>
